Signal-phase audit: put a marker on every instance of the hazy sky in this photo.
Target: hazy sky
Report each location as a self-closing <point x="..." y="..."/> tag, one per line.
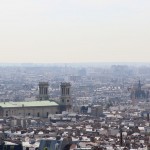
<point x="74" y="31"/>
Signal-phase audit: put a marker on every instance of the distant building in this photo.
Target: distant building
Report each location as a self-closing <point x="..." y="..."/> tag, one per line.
<point x="97" y="110"/>
<point x="139" y="91"/>
<point x="94" y="110"/>
<point x="82" y="72"/>
<point x="40" y="108"/>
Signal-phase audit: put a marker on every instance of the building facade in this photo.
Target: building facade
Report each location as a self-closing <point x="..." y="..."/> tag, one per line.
<point x="40" y="108"/>
<point x="140" y="91"/>
<point x="31" y="109"/>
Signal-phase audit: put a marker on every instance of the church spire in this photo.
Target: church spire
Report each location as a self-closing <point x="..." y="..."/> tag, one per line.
<point x="139" y="85"/>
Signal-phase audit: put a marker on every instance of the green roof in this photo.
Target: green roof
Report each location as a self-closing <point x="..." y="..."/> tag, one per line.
<point x="28" y="104"/>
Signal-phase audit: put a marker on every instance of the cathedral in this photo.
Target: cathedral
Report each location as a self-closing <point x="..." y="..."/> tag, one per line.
<point x="139" y="91"/>
<point x="41" y="107"/>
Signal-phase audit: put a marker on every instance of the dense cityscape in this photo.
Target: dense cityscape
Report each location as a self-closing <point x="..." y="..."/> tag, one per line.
<point x="72" y="107"/>
<point x="74" y="75"/>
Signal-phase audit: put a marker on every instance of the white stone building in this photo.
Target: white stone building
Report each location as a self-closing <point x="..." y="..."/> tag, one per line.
<point x="39" y="108"/>
<point x="31" y="108"/>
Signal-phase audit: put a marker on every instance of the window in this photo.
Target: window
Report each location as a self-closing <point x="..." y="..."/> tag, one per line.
<point x="68" y="91"/>
<point x="62" y="91"/>
<point x="68" y="101"/>
<point x="28" y="114"/>
<point x="63" y="100"/>
<point x="38" y="114"/>
<point x="47" y="114"/>
<point x="12" y="147"/>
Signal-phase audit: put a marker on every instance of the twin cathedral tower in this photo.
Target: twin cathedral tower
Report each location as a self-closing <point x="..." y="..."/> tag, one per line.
<point x="65" y="101"/>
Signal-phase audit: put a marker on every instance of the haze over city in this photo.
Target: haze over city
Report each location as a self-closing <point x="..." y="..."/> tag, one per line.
<point x="74" y="74"/>
<point x="74" y="31"/>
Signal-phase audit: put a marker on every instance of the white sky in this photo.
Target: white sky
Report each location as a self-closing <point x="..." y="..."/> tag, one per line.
<point x="49" y="31"/>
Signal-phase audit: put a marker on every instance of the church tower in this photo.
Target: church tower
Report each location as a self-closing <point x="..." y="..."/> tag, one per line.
<point x="65" y="99"/>
<point x="43" y="91"/>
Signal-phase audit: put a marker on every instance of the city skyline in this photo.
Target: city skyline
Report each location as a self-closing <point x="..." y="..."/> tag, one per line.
<point x="74" y="31"/>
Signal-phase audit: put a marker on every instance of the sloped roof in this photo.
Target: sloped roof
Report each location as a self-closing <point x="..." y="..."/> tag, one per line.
<point x="28" y="104"/>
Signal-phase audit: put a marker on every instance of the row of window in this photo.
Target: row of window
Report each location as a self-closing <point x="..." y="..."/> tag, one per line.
<point x="43" y="90"/>
<point x="38" y="114"/>
<point x="65" y="91"/>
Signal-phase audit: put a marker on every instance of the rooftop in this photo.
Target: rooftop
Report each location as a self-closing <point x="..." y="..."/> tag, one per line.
<point x="28" y="104"/>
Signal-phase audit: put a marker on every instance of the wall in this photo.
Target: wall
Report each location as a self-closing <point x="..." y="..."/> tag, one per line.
<point x="30" y="111"/>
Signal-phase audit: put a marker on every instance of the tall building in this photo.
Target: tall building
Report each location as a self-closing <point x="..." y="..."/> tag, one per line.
<point x="65" y="99"/>
<point x="82" y="72"/>
<point x="43" y="91"/>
